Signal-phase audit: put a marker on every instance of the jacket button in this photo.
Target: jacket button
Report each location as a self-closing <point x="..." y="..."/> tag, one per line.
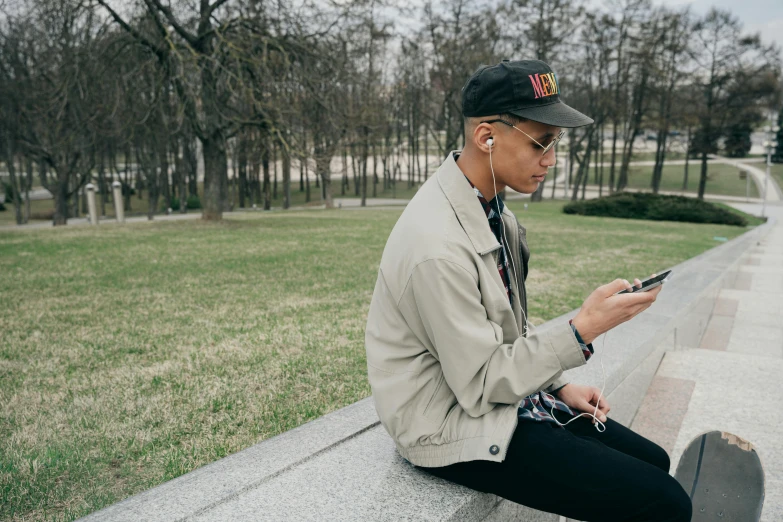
<point x="494" y="449"/>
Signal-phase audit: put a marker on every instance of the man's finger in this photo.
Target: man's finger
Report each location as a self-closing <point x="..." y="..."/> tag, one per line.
<point x="616" y="286"/>
<point x="603" y="405"/>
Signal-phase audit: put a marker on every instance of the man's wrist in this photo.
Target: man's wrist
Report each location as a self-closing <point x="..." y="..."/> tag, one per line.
<point x="584" y="331"/>
<point x="587" y="348"/>
<point x="557" y="391"/>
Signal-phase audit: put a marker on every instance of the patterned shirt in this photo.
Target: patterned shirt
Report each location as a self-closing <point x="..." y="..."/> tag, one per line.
<point x="535" y="406"/>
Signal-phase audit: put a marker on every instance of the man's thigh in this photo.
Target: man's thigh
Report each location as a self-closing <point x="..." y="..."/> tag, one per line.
<point x="618" y="437"/>
<point x="554" y="470"/>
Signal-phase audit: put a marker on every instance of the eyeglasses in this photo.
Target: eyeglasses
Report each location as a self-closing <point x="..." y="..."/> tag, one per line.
<point x="545" y="148"/>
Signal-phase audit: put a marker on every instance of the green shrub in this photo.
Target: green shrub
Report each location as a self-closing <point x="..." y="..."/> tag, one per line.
<point x="9" y="192"/>
<point x="656" y="207"/>
<point x="193" y="203"/>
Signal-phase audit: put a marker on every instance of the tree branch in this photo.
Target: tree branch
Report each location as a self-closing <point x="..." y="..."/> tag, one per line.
<point x="157" y="5"/>
<point x="159" y="51"/>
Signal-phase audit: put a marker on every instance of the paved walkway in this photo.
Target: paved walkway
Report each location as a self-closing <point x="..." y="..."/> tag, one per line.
<point x="773" y="189"/>
<point x="774" y="192"/>
<point x="345" y="203"/>
<point x="732" y="380"/>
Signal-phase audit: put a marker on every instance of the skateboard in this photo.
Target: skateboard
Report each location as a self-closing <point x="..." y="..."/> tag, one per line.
<point x="724" y="477"/>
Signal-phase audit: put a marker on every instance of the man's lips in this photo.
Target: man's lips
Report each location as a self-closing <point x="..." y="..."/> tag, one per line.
<point x="539" y="177"/>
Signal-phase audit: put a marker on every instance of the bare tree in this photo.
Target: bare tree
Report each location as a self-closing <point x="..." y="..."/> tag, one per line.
<point x="736" y="71"/>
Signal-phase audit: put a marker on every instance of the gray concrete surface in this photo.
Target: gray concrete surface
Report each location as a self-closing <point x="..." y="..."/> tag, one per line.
<point x="730" y="379"/>
<point x="343" y="466"/>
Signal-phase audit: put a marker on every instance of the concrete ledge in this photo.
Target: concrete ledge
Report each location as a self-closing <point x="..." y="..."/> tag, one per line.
<point x="343" y="466"/>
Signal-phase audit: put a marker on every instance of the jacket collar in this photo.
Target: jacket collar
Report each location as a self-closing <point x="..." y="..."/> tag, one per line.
<point x="466" y="206"/>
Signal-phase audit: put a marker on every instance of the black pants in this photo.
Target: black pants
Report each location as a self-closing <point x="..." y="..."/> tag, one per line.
<point x="617" y="475"/>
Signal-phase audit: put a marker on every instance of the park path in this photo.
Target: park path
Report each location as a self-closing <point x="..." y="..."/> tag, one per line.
<point x="773" y="189"/>
<point x="345" y="203"/>
<point x="732" y="380"/>
<point x="774" y="193"/>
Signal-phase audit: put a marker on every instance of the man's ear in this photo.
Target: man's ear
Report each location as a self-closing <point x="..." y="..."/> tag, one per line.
<point x="483" y="137"/>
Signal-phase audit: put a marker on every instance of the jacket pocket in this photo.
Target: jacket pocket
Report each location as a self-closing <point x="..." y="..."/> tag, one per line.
<point x="434" y="393"/>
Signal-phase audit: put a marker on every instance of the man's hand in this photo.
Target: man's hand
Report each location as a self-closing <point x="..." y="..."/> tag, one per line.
<point x="583" y="399"/>
<point x="602" y="310"/>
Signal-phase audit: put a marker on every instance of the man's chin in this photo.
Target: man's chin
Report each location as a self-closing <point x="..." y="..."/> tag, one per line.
<point x="526" y="189"/>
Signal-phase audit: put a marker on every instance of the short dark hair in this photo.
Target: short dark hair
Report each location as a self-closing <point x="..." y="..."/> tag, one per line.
<point x="469" y="122"/>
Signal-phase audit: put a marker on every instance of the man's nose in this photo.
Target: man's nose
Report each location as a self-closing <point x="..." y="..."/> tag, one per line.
<point x="549" y="159"/>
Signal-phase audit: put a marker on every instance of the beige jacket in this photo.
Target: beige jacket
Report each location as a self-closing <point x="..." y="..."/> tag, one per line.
<point x="446" y="359"/>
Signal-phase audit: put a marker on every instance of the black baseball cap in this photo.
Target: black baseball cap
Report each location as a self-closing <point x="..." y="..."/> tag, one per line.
<point x="525" y="88"/>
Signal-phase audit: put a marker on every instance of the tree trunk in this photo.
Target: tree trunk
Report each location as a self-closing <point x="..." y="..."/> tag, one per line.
<point x="17" y="199"/>
<point x="301" y="175"/>
<point x="365" y="153"/>
<point x="274" y="171"/>
<point x="374" y="171"/>
<point x="286" y="177"/>
<point x="61" y="198"/>
<point x="307" y="180"/>
<point x="354" y="171"/>
<point x="126" y="187"/>
<point x="139" y="181"/>
<point x="28" y="186"/>
<point x="191" y="163"/>
<point x="242" y="170"/>
<point x="687" y="158"/>
<point x="344" y="179"/>
<point x="267" y="188"/>
<point x="215" y="179"/>
<point x="322" y="163"/>
<point x="164" y="189"/>
<point x="181" y="179"/>
<point x="601" y="162"/>
<point x="163" y="179"/>
<point x="703" y="176"/>
<point x="614" y="156"/>
<point x="102" y="185"/>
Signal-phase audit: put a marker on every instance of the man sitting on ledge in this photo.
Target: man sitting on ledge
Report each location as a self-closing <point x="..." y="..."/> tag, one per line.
<point x="465" y="391"/>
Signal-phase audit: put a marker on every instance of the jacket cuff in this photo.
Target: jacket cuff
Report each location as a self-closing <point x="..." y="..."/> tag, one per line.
<point x="587" y="350"/>
<point x="557" y="384"/>
<point x="563" y="342"/>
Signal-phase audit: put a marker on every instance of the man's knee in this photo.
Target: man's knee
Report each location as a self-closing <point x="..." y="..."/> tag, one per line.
<point x="660" y="458"/>
<point x="679" y="507"/>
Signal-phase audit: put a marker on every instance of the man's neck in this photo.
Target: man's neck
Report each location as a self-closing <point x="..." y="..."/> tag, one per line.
<point x="475" y="166"/>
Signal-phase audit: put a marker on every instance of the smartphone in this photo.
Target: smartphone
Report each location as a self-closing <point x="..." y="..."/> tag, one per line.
<point x="649" y="284"/>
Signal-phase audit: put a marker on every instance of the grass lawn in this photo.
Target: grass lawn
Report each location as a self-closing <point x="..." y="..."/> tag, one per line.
<point x="134" y="354"/>
<point x="721" y="179"/>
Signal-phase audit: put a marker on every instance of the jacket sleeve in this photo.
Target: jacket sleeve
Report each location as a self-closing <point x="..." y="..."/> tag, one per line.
<point x="479" y="368"/>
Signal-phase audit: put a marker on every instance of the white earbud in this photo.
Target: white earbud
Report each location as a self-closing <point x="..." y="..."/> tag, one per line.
<point x="490" y="142"/>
